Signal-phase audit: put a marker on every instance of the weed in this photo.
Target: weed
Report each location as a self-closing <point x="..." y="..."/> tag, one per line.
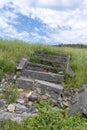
<point x="10" y="93"/>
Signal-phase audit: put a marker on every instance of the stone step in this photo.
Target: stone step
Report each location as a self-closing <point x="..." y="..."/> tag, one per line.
<point x="41" y="67"/>
<point x="22" y="63"/>
<point x="47" y="76"/>
<point x="55" y="90"/>
<point x="61" y="57"/>
<point x="62" y="66"/>
<point x="51" y="61"/>
<point x="25" y="83"/>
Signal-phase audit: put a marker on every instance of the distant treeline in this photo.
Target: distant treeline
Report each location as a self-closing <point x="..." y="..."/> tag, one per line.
<point x="72" y="45"/>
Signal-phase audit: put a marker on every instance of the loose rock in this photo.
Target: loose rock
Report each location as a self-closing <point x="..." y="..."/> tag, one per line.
<point x="11" y="108"/>
<point x="32" y="97"/>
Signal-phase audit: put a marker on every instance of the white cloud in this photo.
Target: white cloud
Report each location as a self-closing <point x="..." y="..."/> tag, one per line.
<point x="59" y="4"/>
<point x="54" y="13"/>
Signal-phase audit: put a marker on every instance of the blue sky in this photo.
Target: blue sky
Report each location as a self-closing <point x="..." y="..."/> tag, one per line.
<point x="44" y="21"/>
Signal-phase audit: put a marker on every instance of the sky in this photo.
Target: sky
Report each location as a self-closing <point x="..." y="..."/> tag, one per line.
<point x="44" y="21"/>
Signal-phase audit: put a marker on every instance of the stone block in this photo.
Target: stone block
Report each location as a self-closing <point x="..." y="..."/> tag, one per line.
<point x="79" y="103"/>
<point x="50" y="77"/>
<point x="22" y="63"/>
<point x="25" y="83"/>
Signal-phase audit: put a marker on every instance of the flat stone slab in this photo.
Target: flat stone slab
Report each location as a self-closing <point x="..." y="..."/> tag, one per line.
<point x="50" y="86"/>
<point x="61" y="61"/>
<point x="41" y="67"/>
<point x="55" y="90"/>
<point x="22" y="63"/>
<point x="25" y="83"/>
<point x="57" y="57"/>
<point x="79" y="102"/>
<point x="50" y="77"/>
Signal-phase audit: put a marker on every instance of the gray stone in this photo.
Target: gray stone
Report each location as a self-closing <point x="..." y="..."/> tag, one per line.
<point x="30" y="109"/>
<point x="79" y="103"/>
<point x="32" y="97"/>
<point x="41" y="67"/>
<point x="58" y="58"/>
<point x="5" y="116"/>
<point x="49" y="87"/>
<point x="30" y="103"/>
<point x="25" y="83"/>
<point x="68" y="69"/>
<point x="19" y="108"/>
<point x="21" y="101"/>
<point x="55" y="90"/>
<point x="22" y="64"/>
<point x="50" y="77"/>
<point x="61" y="61"/>
<point x="1" y="104"/>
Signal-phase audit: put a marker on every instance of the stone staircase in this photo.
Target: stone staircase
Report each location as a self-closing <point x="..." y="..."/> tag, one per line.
<point x="46" y="76"/>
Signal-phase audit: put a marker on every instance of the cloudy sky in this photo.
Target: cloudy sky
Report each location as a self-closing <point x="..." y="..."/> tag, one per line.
<point x="44" y="21"/>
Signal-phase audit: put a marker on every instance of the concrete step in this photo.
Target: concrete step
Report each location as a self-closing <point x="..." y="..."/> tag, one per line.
<point x="41" y="67"/>
<point x="60" y="61"/>
<point x="22" y="63"/>
<point x="55" y="90"/>
<point x="25" y="83"/>
<point x="47" y="76"/>
<point x="51" y="61"/>
<point x="60" y="57"/>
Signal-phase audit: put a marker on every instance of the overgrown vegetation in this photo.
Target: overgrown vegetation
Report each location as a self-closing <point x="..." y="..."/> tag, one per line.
<point x="10" y="92"/>
<point x="48" y="119"/>
<point x="12" y="51"/>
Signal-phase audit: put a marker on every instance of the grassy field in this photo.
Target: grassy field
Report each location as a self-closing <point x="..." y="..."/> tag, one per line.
<point x="12" y="51"/>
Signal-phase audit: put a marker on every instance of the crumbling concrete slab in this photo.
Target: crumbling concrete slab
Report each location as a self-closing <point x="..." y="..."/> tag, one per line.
<point x="52" y="58"/>
<point x="25" y="83"/>
<point x="79" y="102"/>
<point x="68" y="69"/>
<point x="61" y="61"/>
<point x="41" y="67"/>
<point x="50" y="77"/>
<point x="22" y="63"/>
<point x="55" y="90"/>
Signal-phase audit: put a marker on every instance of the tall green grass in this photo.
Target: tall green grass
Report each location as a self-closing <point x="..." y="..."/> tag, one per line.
<point x="12" y="51"/>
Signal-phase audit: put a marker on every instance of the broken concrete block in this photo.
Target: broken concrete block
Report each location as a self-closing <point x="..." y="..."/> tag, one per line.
<point x="79" y="103"/>
<point x="25" y="83"/>
<point x="32" y="96"/>
<point x="50" y="77"/>
<point x="55" y="90"/>
<point x="41" y="67"/>
<point x="61" y="61"/>
<point x="69" y="70"/>
<point x="22" y="63"/>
